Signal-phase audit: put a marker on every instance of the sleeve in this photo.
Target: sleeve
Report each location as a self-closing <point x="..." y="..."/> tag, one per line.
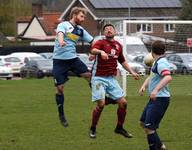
<point x="87" y="37"/>
<point x="121" y="58"/>
<point x="61" y="28"/>
<point x="97" y="45"/>
<point x="163" y="69"/>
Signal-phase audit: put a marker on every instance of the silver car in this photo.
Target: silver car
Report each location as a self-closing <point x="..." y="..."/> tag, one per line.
<point x="183" y="61"/>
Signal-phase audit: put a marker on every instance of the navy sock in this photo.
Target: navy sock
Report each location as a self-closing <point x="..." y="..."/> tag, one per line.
<point x="158" y="141"/>
<point x="60" y="102"/>
<point x="154" y="141"/>
<point x="151" y="141"/>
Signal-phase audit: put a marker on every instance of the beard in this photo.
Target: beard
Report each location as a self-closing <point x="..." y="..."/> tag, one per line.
<point x="110" y="37"/>
<point x="78" y="22"/>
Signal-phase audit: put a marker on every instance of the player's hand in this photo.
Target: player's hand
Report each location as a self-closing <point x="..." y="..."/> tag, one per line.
<point x="135" y="76"/>
<point x="91" y="57"/>
<point x="62" y="43"/>
<point x="153" y="95"/>
<point x="141" y="91"/>
<point x="104" y="55"/>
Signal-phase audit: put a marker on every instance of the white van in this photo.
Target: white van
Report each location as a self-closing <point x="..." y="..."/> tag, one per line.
<point x="26" y="56"/>
<point x="134" y="46"/>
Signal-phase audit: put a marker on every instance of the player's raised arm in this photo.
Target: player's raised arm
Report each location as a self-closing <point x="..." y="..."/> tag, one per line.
<point x="130" y="70"/>
<point x="61" y="39"/>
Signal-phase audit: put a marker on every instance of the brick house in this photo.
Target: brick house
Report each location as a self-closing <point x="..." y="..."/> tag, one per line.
<point x="40" y="26"/>
<point x="114" y="11"/>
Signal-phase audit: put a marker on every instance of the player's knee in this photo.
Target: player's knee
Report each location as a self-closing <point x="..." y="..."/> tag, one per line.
<point x="86" y="75"/>
<point x="123" y="103"/>
<point x="60" y="89"/>
<point x="142" y="124"/>
<point x="149" y="131"/>
<point x="101" y="104"/>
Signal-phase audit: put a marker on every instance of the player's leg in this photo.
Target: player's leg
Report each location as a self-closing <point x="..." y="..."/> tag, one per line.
<point x="98" y="96"/>
<point x="153" y="139"/>
<point x="154" y="114"/>
<point x="121" y="114"/>
<point x="60" y="69"/>
<point x="60" y="104"/>
<point x="143" y="117"/>
<point x="117" y="95"/>
<point x="95" y="117"/>
<point x="81" y="70"/>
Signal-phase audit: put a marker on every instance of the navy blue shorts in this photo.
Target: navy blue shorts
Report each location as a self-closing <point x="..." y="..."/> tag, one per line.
<point x="154" y="112"/>
<point x="62" y="67"/>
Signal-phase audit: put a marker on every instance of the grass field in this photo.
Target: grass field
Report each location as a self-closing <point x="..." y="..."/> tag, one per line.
<point x="28" y="117"/>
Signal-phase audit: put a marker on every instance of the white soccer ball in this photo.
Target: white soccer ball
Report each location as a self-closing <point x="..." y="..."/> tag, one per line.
<point x="148" y="60"/>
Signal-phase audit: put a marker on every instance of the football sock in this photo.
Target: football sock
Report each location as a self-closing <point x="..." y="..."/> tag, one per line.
<point x="95" y="116"/>
<point x="60" y="103"/>
<point x="153" y="141"/>
<point x="158" y="141"/>
<point x="121" y="113"/>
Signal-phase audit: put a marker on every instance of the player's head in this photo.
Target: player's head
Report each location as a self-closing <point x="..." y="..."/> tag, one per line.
<point x="109" y="31"/>
<point x="158" y="48"/>
<point x="78" y="15"/>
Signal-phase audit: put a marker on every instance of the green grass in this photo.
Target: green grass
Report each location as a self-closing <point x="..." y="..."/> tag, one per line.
<point x="28" y="117"/>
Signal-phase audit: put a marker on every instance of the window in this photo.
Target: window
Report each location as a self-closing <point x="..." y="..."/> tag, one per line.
<point x="171" y="58"/>
<point x="169" y="28"/>
<point x="146" y="28"/>
<point x="178" y="59"/>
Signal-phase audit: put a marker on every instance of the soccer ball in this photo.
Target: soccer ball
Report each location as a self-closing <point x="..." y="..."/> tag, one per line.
<point x="148" y="60"/>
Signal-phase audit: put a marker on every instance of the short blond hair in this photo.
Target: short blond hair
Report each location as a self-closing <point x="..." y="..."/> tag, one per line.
<point x="77" y="10"/>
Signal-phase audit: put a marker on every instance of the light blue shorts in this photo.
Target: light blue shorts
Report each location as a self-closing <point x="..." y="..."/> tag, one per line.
<point x="102" y="86"/>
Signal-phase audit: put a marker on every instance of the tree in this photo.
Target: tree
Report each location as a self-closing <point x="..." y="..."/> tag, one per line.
<point x="186" y="12"/>
<point x="9" y="11"/>
<point x="184" y="31"/>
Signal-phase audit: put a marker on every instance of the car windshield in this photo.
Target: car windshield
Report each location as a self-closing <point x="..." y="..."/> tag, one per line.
<point x="12" y="59"/>
<point x="187" y="58"/>
<point x="47" y="55"/>
<point x="44" y="63"/>
<point x="36" y="58"/>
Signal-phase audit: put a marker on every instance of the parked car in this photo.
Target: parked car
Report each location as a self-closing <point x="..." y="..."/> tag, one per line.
<point x="138" y="68"/>
<point x="47" y="55"/>
<point x="26" y="56"/>
<point x="37" y="68"/>
<point x="5" y="72"/>
<point x="183" y="61"/>
<point x="140" y="60"/>
<point x="12" y="62"/>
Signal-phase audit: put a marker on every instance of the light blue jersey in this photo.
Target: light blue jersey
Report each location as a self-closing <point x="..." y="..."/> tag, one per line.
<point x="160" y="66"/>
<point x="72" y="35"/>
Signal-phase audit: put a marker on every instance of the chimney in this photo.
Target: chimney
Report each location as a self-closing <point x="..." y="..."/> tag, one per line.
<point x="37" y="9"/>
